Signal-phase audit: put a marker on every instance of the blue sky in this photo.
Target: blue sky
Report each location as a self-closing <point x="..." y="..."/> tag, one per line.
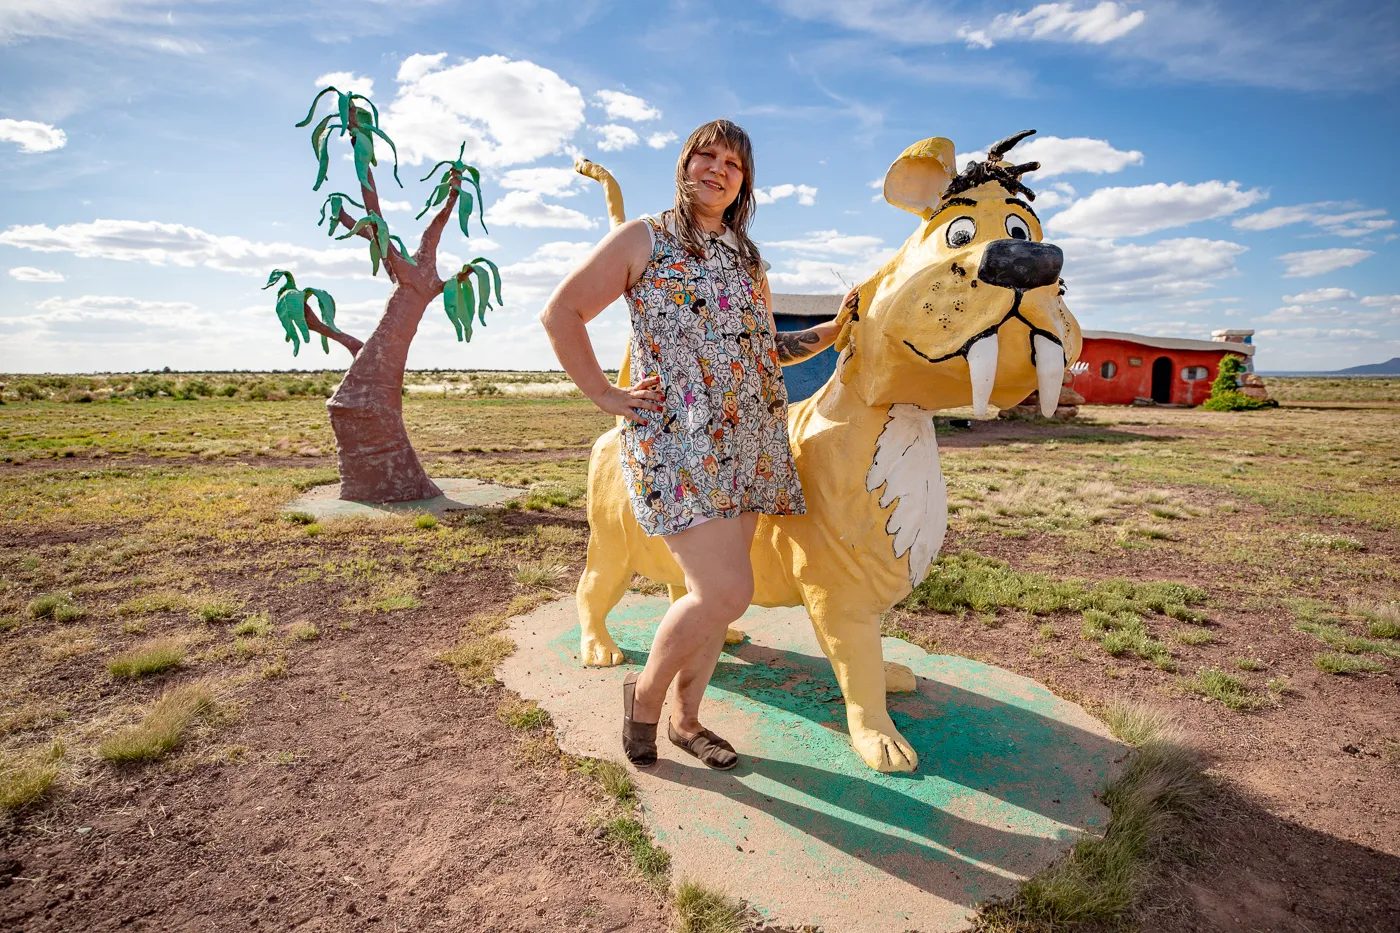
<point x="1206" y="164"/>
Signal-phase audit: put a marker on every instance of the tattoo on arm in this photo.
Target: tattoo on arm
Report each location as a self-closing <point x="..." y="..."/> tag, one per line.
<point x="794" y="346"/>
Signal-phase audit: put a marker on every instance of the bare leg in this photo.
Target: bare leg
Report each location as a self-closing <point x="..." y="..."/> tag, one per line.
<point x="719" y="584"/>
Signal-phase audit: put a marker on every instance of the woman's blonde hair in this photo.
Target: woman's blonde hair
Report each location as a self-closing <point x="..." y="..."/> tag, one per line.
<point x="738" y="215"/>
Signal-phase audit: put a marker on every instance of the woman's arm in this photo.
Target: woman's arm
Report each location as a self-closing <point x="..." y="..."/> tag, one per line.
<point x="609" y="270"/>
<point x="794" y="346"/>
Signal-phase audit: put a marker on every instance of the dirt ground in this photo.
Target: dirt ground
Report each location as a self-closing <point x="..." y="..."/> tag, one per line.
<point x="354" y="781"/>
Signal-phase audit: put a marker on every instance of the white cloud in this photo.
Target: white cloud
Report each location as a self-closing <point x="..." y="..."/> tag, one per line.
<point x="1064" y="156"/>
<point x="107" y="318"/>
<point x="1057" y="195"/>
<point x="560" y="182"/>
<point x="1320" y="261"/>
<point x="1318" y="333"/>
<point x="1057" y="22"/>
<point x="821" y="260"/>
<point x="1117" y="212"/>
<point x="1390" y="303"/>
<point x="400" y="206"/>
<point x="32" y="135"/>
<point x="620" y="106"/>
<point x="1340" y="218"/>
<point x="508" y="112"/>
<point x="533" y="278"/>
<point x="179" y="245"/>
<point x="31" y="274"/>
<point x="529" y="209"/>
<point x="613" y="137"/>
<point x="1105" y="274"/>
<point x="346" y="82"/>
<point x="805" y="194"/>
<point x="1321" y="295"/>
<point x="661" y="140"/>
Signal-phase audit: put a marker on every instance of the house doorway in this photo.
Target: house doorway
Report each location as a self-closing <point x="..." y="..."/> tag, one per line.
<point x="1162" y="380"/>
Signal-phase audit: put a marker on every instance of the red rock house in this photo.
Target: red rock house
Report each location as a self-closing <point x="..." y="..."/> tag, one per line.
<point x="1168" y="370"/>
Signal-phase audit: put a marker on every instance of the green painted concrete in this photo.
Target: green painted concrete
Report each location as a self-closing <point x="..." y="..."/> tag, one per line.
<point x="802" y="828"/>
<point x="324" y="501"/>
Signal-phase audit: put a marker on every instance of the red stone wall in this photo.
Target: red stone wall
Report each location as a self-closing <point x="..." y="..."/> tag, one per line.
<point x="1131" y="381"/>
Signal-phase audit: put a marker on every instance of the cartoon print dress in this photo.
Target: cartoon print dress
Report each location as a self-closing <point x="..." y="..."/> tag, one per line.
<point x="720" y="447"/>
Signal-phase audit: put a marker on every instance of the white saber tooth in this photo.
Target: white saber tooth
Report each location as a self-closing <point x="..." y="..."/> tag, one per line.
<point x="1049" y="372"/>
<point x="982" y="366"/>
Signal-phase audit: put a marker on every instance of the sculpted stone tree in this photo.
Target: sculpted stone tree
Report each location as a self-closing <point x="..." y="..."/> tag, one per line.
<point x="377" y="462"/>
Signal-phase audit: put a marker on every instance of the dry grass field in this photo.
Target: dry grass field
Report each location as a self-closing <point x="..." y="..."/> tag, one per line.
<point x="215" y="714"/>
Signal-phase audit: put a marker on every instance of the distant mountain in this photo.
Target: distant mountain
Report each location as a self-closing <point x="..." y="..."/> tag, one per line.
<point x="1388" y="368"/>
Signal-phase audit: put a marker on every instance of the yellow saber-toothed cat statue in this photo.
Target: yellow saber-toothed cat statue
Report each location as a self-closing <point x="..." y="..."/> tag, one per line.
<point x="969" y="311"/>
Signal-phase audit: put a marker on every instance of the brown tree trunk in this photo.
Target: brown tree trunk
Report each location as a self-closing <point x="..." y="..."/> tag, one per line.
<point x="377" y="462"/>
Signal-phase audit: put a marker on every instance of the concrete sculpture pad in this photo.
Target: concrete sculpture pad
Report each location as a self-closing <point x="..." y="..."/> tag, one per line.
<point x="325" y="501"/>
<point x="801" y="829"/>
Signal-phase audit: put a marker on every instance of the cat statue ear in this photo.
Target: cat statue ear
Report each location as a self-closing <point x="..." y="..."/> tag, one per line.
<point x="917" y="179"/>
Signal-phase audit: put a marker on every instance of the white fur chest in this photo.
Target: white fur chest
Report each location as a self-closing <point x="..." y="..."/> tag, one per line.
<point x="906" y="464"/>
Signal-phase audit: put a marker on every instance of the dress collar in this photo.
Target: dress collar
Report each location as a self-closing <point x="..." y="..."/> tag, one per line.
<point x="728" y="238"/>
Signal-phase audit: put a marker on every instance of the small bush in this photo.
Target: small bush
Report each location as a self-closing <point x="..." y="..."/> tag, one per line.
<point x="1382" y="619"/>
<point x="426" y="522"/>
<point x="163" y="728"/>
<point x="702" y="910"/>
<point x="1227" y="688"/>
<point x="216" y="610"/>
<point x="151" y="658"/>
<point x="9" y="624"/>
<point x="541" y="574"/>
<point x="1224" y="391"/>
<point x="153" y="602"/>
<point x="1250" y="664"/>
<point x="476" y="656"/>
<point x="255" y="626"/>
<point x="305" y="631"/>
<point x="24" y="780"/>
<point x="56" y="606"/>
<point x="300" y="518"/>
<point x="1332" y="662"/>
<point x="614" y="778"/>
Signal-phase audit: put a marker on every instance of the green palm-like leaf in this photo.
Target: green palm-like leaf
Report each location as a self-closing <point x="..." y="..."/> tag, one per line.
<point x="495" y="273"/>
<point x="363" y="150"/>
<point x="291" y="311"/>
<point x="483" y="284"/>
<point x="403" y="250"/>
<point x="323" y="158"/>
<point x="320" y="133"/>
<point x="345" y="109"/>
<point x="374" y="256"/>
<point x="449" y="305"/>
<point x="327" y="306"/>
<point x="277" y="274"/>
<point x="392" y="148"/>
<point x="475" y="176"/>
<point x="354" y="96"/>
<point x="466" y="302"/>
<point x="438" y="196"/>
<point x="314" y="102"/>
<point x="355" y="230"/>
<point x="464" y="212"/>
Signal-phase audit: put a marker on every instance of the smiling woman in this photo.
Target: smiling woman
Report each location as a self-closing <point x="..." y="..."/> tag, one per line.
<point x="704" y="443"/>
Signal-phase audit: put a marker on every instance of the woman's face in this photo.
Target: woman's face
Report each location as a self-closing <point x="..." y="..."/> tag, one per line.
<point x="716" y="173"/>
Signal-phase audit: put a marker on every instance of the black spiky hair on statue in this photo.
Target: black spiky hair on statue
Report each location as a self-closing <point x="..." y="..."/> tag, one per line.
<point x="989" y="169"/>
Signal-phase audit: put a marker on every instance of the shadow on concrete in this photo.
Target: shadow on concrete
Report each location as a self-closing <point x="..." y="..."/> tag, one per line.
<point x="966" y="741"/>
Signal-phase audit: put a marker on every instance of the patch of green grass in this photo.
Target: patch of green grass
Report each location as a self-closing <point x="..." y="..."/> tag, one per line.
<point x="300" y="518"/>
<point x="550" y="495"/>
<point x="153" y="657"/>
<point x="255" y="625"/>
<point x="149" y="603"/>
<point x="426" y="521"/>
<point x="9" y="624"/>
<point x="968" y="581"/>
<point x="1339" y="639"/>
<point x="1166" y="511"/>
<point x="629" y="835"/>
<point x="1382" y="619"/>
<point x="1124" y="633"/>
<point x="1250" y="664"/>
<point x="700" y="909"/>
<point x="1047" y="632"/>
<point x="613" y="777"/>
<point x="396" y="603"/>
<point x="274" y="669"/>
<point x="215" y="610"/>
<point x="525" y="716"/>
<point x="1331" y="542"/>
<point x="59" y="607"/>
<point x="163" y="728"/>
<point x="305" y="631"/>
<point x="313" y="530"/>
<point x="1194" y="636"/>
<point x="1155" y="806"/>
<point x="26" y="779"/>
<point x="475" y="657"/>
<point x="1333" y="662"/>
<point x="1227" y="688"/>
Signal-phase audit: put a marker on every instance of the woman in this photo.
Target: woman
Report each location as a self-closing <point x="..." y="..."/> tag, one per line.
<point x="704" y="445"/>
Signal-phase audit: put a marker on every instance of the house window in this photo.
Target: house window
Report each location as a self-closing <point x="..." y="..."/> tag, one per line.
<point x="1108" y="370"/>
<point x="1194" y="373"/>
<point x="1134" y="361"/>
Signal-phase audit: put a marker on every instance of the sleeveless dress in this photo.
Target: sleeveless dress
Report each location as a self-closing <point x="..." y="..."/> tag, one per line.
<point x="720" y="447"/>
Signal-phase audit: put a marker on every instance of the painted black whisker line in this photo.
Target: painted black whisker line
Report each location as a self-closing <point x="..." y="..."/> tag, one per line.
<point x="1015" y="312"/>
